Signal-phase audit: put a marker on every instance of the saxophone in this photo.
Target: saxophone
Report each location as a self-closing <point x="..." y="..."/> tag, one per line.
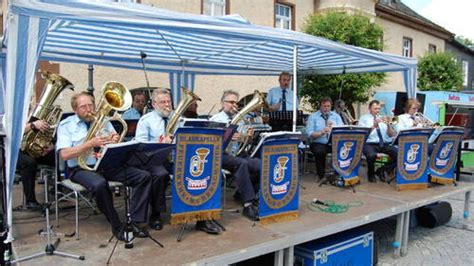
<point x="36" y="143"/>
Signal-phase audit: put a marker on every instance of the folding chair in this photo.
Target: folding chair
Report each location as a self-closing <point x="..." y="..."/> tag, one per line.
<point x="76" y="192"/>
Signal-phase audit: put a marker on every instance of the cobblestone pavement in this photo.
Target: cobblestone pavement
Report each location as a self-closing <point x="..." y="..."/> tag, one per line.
<point x="450" y="244"/>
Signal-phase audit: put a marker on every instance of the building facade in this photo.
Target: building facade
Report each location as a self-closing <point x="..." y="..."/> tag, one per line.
<point x="465" y="57"/>
<point x="405" y="33"/>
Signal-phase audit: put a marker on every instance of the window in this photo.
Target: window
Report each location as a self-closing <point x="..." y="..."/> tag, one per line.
<point x="214" y="7"/>
<point x="432" y="48"/>
<point x="284" y="16"/>
<point x="465" y="72"/>
<point x="407" y="47"/>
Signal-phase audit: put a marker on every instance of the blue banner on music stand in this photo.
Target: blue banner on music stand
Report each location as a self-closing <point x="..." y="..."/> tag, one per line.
<point x="347" y="145"/>
<point x="444" y="156"/>
<point x="196" y="189"/>
<point x="412" y="160"/>
<point x="279" y="181"/>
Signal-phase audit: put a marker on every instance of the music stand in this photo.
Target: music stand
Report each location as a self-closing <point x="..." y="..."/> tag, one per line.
<point x="283" y="120"/>
<point x="334" y="179"/>
<point x="131" y="154"/>
<point x="50" y="248"/>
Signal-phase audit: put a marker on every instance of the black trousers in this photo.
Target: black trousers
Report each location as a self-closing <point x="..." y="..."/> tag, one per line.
<point x="97" y="184"/>
<point x="27" y="167"/>
<point x="160" y="180"/>
<point x="370" y="151"/>
<point x="320" y="151"/>
<point x="246" y="173"/>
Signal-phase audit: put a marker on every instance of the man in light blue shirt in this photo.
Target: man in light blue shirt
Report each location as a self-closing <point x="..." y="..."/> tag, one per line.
<point x="281" y="98"/>
<point x="138" y="105"/>
<point x="152" y="127"/>
<point x="242" y="168"/>
<point x="71" y="144"/>
<point x="318" y="128"/>
<point x="380" y="137"/>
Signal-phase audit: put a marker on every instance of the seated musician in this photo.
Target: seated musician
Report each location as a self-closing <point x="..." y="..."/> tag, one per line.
<point x="341" y="109"/>
<point x="319" y="127"/>
<point x="70" y="145"/>
<point x="409" y="118"/>
<point x="138" y="106"/>
<point x="242" y="168"/>
<point x="152" y="127"/>
<point x="27" y="165"/>
<point x="379" y="140"/>
<point x="281" y="98"/>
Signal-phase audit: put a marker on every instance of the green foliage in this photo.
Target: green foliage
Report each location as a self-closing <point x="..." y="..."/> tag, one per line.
<point x="355" y="30"/>
<point x="464" y="40"/>
<point x="439" y="72"/>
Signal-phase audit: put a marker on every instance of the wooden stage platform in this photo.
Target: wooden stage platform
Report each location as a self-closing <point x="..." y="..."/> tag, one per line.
<point x="243" y="238"/>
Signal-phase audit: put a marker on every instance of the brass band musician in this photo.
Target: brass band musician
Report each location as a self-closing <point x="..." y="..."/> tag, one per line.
<point x="409" y="119"/>
<point x="242" y="168"/>
<point x="319" y="127"/>
<point x="379" y="140"/>
<point x="27" y="165"/>
<point x="70" y="145"/>
<point x="152" y="127"/>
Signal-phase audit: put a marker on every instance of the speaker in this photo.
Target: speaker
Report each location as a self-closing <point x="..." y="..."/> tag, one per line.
<point x="401" y="99"/>
<point x="434" y="215"/>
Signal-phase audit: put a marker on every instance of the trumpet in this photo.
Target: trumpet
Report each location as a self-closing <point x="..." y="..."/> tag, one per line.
<point x="390" y="120"/>
<point x="425" y="121"/>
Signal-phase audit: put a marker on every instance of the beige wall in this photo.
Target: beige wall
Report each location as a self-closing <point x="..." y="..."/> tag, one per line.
<point x="393" y="41"/>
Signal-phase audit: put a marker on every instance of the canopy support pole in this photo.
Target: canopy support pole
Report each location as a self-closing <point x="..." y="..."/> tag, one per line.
<point x="295" y="85"/>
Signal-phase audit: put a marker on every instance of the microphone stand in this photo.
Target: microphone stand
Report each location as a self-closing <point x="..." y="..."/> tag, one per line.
<point x="142" y="57"/>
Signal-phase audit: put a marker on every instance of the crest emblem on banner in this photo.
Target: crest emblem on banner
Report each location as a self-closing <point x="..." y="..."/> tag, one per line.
<point x="196" y="189"/>
<point x="198" y="161"/>
<point x="443" y="153"/>
<point x="412" y="164"/>
<point x="347" y="152"/>
<point x="279" y="181"/>
<point x="279" y="169"/>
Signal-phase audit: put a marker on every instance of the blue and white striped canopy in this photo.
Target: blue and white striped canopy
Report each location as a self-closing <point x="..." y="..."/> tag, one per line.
<point x="115" y="34"/>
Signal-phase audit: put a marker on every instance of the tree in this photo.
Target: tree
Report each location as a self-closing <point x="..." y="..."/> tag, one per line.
<point x="466" y="41"/>
<point x="439" y="72"/>
<point x="355" y="30"/>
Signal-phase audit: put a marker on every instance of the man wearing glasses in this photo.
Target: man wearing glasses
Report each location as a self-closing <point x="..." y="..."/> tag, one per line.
<point x="152" y="127"/>
<point x="242" y="168"/>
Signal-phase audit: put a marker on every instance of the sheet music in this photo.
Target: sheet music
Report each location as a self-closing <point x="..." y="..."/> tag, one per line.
<point x="276" y="135"/>
<point x="126" y="148"/>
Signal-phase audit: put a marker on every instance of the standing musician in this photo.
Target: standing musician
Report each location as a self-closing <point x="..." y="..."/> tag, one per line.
<point x="70" y="144"/>
<point x="152" y="127"/>
<point x="281" y="98"/>
<point x="379" y="140"/>
<point x="242" y="168"/>
<point x="319" y="127"/>
<point x="27" y="165"/>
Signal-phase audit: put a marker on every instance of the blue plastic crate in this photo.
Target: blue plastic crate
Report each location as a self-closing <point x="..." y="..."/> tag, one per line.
<point x="352" y="248"/>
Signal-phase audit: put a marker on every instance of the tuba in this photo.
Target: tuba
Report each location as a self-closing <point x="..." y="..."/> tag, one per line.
<point x="257" y="101"/>
<point x="35" y="143"/>
<point x="188" y="97"/>
<point x="115" y="97"/>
